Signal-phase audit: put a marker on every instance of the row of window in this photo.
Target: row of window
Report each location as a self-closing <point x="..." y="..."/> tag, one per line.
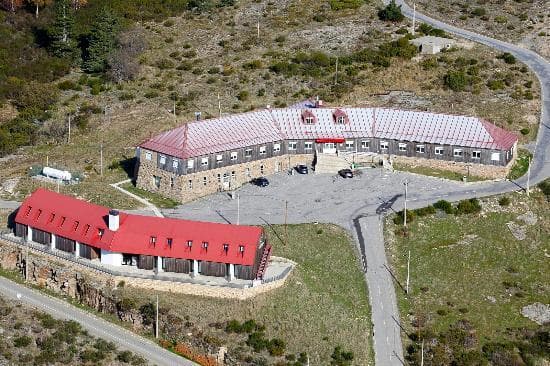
<point x="204" y="244"/>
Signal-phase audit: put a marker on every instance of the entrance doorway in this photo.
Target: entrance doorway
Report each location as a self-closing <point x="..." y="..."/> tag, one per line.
<point x="225" y="181"/>
<point x="329" y="148"/>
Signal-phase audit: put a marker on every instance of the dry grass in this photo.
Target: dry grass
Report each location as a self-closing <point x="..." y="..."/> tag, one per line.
<point x="473" y="267"/>
<point x="323" y="304"/>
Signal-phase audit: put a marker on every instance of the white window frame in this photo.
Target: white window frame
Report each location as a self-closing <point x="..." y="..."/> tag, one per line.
<point x="204" y="162"/>
<point x="350" y="144"/>
<point x="248" y="153"/>
<point x="402" y="146"/>
<point x="190" y="164"/>
<point x="175" y="164"/>
<point x="162" y="159"/>
<point x="292" y="145"/>
<point x="276" y="148"/>
<point x="495" y="154"/>
<point x="439" y="150"/>
<point x="219" y="158"/>
<point x="384" y="145"/>
<point x="234" y="155"/>
<point x="148" y="156"/>
<point x="308" y="145"/>
<point x="420" y="149"/>
<point x="365" y="144"/>
<point x="340" y="120"/>
<point x="309" y="120"/>
<point x="476" y="154"/>
<point x="263" y="150"/>
<point x="458" y="153"/>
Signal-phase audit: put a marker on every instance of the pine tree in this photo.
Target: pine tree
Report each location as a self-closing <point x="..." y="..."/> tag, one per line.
<point x="101" y="41"/>
<point x="63" y="42"/>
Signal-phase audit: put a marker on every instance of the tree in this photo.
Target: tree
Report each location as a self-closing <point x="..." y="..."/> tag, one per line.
<point x="456" y="80"/>
<point x="123" y="63"/>
<point x="101" y="41"/>
<point x="40" y="4"/>
<point x="392" y="12"/>
<point x="63" y="43"/>
<point x="11" y="5"/>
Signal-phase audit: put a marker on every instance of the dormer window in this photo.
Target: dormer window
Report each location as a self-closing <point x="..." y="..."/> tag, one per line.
<point x="189" y="243"/>
<point x="62" y="221"/>
<point x="100" y="232"/>
<point x="87" y="228"/>
<point x="340" y="117"/>
<point x="38" y="214"/>
<point x="75" y="226"/>
<point x="241" y="249"/>
<point x="153" y="240"/>
<point x="308" y="118"/>
<point x="52" y="217"/>
<point x="205" y="245"/>
<point x="226" y="248"/>
<point x="28" y="211"/>
<point x="169" y="242"/>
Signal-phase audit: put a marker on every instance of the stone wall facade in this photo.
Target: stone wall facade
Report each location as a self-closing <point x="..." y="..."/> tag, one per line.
<point x="185" y="188"/>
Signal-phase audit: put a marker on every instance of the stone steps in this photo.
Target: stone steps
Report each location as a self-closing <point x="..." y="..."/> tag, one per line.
<point x="330" y="164"/>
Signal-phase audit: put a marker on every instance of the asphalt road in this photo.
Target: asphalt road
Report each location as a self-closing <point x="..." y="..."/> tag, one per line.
<point x="98" y="327"/>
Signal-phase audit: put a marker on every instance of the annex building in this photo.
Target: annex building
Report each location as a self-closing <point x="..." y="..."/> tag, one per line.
<point x="151" y="243"/>
<point x="207" y="156"/>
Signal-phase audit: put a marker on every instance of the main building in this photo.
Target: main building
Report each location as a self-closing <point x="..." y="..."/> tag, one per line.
<point x="204" y="157"/>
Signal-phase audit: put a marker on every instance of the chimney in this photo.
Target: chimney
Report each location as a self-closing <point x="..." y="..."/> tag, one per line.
<point x="318" y="103"/>
<point x="113" y="220"/>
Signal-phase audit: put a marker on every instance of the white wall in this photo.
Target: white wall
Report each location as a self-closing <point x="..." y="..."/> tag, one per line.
<point x="111" y="258"/>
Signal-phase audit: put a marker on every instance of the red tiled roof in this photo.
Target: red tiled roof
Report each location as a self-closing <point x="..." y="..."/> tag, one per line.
<point x="135" y="231"/>
<point x="263" y="126"/>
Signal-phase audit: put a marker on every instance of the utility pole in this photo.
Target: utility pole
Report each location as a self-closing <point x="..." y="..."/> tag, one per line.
<point x="174" y="108"/>
<point x="528" y="174"/>
<point x="336" y="77"/>
<point x="405" y="210"/>
<point x="414" y="18"/>
<point x="422" y="354"/>
<point x="101" y="159"/>
<point x="408" y="271"/>
<point x="258" y="30"/>
<point x="157" y="319"/>
<point x="26" y="262"/>
<point x="238" y="209"/>
<point x="286" y="226"/>
<point x="69" y="137"/>
<point x="219" y="106"/>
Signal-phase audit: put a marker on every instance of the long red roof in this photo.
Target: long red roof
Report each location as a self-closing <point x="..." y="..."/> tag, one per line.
<point x="82" y="221"/>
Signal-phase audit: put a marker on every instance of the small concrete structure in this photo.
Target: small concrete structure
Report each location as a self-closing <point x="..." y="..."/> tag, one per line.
<point x="431" y="45"/>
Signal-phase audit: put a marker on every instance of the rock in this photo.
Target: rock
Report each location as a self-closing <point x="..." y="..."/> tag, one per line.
<point x="537" y="312"/>
<point x="9" y="185"/>
<point x="529" y="218"/>
<point x="517" y="231"/>
<point x="491" y="299"/>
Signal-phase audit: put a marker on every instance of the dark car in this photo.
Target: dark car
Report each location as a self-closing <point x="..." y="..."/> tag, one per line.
<point x="260" y="182"/>
<point x="345" y="173"/>
<point x="302" y="169"/>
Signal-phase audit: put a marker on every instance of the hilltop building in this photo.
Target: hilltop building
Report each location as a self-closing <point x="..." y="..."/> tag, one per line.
<point x="431" y="45"/>
<point x="203" y="157"/>
<point x="150" y="243"/>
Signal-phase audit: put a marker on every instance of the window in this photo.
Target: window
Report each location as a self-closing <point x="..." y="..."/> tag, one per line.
<point x="189" y="243"/>
<point x="171" y="182"/>
<point x="219" y="178"/>
<point x="248" y="153"/>
<point x="75" y="226"/>
<point x="350" y="144"/>
<point x="189" y="164"/>
<point x="233" y="175"/>
<point x="262" y="150"/>
<point x="205" y="245"/>
<point x="175" y="164"/>
<point x="420" y="149"/>
<point x="261" y="169"/>
<point x="457" y="153"/>
<point x="152" y="240"/>
<point x="204" y="162"/>
<point x="204" y="181"/>
<point x="234" y="155"/>
<point x="62" y="221"/>
<point x="476" y="154"/>
<point x="226" y="248"/>
<point x="156" y="181"/>
<point x="365" y="144"/>
<point x="384" y="145"/>
<point x="308" y="145"/>
<point x="219" y="158"/>
<point x="87" y="228"/>
<point x="241" y="249"/>
<point x="52" y="217"/>
<point x="495" y="156"/>
<point x="276" y="148"/>
<point x="162" y="159"/>
<point x="100" y="232"/>
<point x="28" y="211"/>
<point x="148" y="156"/>
<point x="340" y="120"/>
<point x="309" y="120"/>
<point x="402" y="147"/>
<point x="38" y="214"/>
<point x="439" y="150"/>
<point x="292" y="145"/>
<point x="169" y="242"/>
<point x="190" y="184"/>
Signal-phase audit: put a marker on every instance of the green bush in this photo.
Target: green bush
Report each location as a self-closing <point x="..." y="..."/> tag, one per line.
<point x="495" y="84"/>
<point x="345" y="4"/>
<point x="341" y="357"/>
<point x="165" y="64"/>
<point x="257" y="341"/>
<point x="525" y="131"/>
<point x="233" y="326"/>
<point x="508" y="58"/>
<point x="479" y="12"/>
<point x="392" y="12"/>
<point x="504" y="201"/>
<point x="276" y="347"/>
<point x="69" y="85"/>
<point x="22" y="341"/>
<point x="425" y="211"/>
<point x="243" y="95"/>
<point x="253" y="65"/>
<point x="544" y="186"/>
<point x="468" y="206"/>
<point x="168" y="23"/>
<point x="444" y="206"/>
<point x="456" y="80"/>
<point x="399" y="219"/>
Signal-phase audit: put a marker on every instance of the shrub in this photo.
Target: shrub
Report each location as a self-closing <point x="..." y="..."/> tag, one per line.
<point x="340" y="357"/>
<point x="280" y="39"/>
<point x="442" y="312"/>
<point x="524" y="131"/>
<point x="253" y="65"/>
<point x="399" y="219"/>
<point x="126" y="96"/>
<point x="444" y="206"/>
<point x="151" y="94"/>
<point x="243" y="95"/>
<point x="257" y="341"/>
<point x="168" y="23"/>
<point x="495" y="84"/>
<point x="345" y="4"/>
<point x="276" y="347"/>
<point x="124" y="356"/>
<point x="68" y="85"/>
<point x="47" y="321"/>
<point x="456" y="80"/>
<point x="508" y="58"/>
<point x="165" y="63"/>
<point x="22" y="341"/>
<point x="425" y="211"/>
<point x="233" y="326"/>
<point x="504" y="201"/>
<point x="468" y="206"/>
<point x="544" y="186"/>
<point x="392" y="12"/>
<point x="479" y="12"/>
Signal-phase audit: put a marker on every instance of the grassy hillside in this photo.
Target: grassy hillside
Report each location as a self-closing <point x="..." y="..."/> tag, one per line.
<point x="470" y="277"/>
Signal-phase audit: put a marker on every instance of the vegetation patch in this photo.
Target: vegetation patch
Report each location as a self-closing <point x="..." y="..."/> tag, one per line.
<point x="154" y="198"/>
<point x="521" y="165"/>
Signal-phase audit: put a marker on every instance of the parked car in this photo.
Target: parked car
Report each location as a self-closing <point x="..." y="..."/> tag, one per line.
<point x="302" y="169"/>
<point x="260" y="182"/>
<point x="345" y="173"/>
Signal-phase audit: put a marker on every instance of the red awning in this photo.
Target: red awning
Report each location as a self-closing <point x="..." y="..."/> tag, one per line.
<point x="334" y="140"/>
